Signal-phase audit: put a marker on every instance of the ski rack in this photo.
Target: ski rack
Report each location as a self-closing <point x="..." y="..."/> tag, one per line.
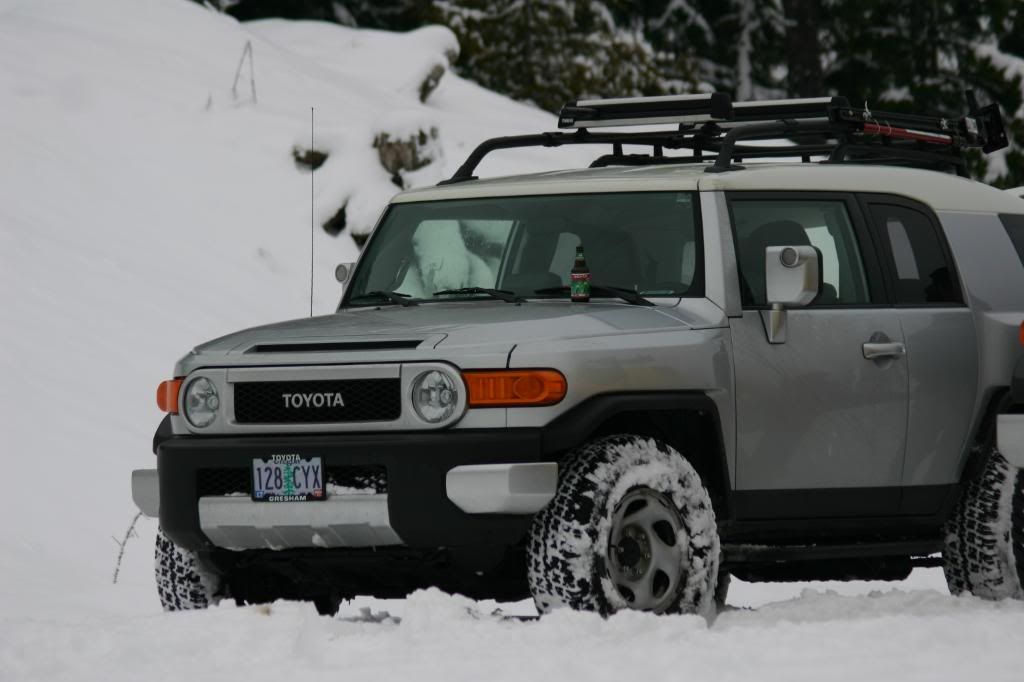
<point x="828" y="128"/>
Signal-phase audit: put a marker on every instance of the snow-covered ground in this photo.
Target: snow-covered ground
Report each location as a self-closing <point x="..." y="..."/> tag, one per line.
<point x="145" y="208"/>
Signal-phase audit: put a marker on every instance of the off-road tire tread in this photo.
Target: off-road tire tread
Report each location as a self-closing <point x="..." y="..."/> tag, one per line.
<point x="181" y="582"/>
<point x="565" y="562"/>
<point x="985" y="532"/>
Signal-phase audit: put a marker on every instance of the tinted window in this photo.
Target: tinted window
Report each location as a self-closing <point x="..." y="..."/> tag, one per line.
<point x="922" y="271"/>
<point x="1014" y="225"/>
<point x="825" y="224"/>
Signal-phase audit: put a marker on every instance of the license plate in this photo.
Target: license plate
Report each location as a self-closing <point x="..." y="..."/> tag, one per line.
<point x="287" y="478"/>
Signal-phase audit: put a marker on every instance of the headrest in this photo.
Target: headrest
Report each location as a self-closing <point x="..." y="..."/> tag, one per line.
<point x="780" y="233"/>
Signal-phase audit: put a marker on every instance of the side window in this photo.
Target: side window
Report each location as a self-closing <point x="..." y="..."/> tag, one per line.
<point x="825" y="224"/>
<point x="1014" y="225"/>
<point x="921" y="269"/>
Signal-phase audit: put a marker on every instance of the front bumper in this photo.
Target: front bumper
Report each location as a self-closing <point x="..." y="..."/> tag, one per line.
<point x="423" y="478"/>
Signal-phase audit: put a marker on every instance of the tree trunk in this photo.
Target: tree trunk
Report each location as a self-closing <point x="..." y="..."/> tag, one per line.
<point x="744" y="48"/>
<point x="803" y="48"/>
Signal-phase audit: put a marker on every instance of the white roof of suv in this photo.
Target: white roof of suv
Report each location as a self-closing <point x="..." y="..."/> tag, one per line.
<point x="941" y="191"/>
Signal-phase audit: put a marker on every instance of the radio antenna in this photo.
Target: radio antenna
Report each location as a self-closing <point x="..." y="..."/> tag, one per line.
<point x="312" y="214"/>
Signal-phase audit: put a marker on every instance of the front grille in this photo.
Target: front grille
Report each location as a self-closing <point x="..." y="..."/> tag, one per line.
<point x="223" y="482"/>
<point x="318" y="402"/>
<point x="232" y="481"/>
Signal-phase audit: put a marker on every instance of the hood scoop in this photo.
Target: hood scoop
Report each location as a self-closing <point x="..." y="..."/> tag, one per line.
<point x="335" y="346"/>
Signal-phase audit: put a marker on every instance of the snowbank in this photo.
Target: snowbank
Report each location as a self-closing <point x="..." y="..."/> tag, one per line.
<point x="819" y="635"/>
<point x="146" y="207"/>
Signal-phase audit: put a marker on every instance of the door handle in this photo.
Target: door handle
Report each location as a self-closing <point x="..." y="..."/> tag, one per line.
<point x="890" y="349"/>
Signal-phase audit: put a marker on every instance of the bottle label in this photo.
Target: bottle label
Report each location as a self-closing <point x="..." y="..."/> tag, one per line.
<point x="579" y="286"/>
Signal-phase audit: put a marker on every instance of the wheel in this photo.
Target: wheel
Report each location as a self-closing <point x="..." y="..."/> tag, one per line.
<point x="181" y="582"/>
<point x="630" y="527"/>
<point x="984" y="552"/>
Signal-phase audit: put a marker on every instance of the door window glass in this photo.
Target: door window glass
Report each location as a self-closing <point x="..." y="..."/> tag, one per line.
<point x="922" y="271"/>
<point x="824" y="224"/>
<point x="1014" y="225"/>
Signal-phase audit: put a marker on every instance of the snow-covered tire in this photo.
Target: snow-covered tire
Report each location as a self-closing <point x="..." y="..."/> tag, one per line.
<point x="181" y="582"/>
<point x="984" y="552"/>
<point x="571" y="561"/>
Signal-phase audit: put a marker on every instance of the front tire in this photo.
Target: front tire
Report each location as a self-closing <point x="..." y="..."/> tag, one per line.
<point x="630" y="527"/>
<point x="181" y="581"/>
<point x="984" y="552"/>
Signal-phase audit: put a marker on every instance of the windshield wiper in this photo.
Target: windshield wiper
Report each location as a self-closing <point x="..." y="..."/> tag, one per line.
<point x="390" y="296"/>
<point x="627" y="295"/>
<point x="500" y="294"/>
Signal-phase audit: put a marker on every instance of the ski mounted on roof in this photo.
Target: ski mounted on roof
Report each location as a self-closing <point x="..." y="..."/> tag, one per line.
<point x="711" y="125"/>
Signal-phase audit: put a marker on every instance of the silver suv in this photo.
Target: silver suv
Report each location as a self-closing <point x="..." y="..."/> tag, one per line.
<point x="805" y="367"/>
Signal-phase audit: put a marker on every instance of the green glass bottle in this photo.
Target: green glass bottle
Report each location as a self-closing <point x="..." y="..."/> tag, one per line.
<point x="579" y="278"/>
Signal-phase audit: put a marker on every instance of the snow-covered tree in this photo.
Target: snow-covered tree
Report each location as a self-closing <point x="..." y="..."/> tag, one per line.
<point x="550" y="51"/>
<point x="921" y="57"/>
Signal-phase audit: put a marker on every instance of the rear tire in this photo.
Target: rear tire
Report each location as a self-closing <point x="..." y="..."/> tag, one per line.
<point x="181" y="581"/>
<point x="630" y="527"/>
<point x="984" y="553"/>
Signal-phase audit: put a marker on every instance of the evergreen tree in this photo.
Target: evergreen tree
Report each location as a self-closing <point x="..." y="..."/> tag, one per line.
<point x="392" y="15"/>
<point x="804" y="76"/>
<point x="550" y="51"/>
<point x="921" y="57"/>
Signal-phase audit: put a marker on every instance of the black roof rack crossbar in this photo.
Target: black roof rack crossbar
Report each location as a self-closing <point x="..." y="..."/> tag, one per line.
<point x="896" y="155"/>
<point x="811" y="127"/>
<point x="772" y="130"/>
<point x="664" y="139"/>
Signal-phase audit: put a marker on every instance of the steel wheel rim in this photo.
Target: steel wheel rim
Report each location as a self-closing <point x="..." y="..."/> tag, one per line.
<point x="647" y="562"/>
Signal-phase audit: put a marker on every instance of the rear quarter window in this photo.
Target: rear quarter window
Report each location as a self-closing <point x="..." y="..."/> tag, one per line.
<point x="1014" y="225"/>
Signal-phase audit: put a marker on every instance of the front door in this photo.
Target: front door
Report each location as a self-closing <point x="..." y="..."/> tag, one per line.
<point x="822" y="417"/>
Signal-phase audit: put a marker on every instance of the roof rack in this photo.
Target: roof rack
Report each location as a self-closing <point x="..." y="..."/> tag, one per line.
<point x="712" y="127"/>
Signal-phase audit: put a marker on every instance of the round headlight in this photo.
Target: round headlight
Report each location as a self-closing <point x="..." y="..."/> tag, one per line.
<point x="201" y="402"/>
<point x="434" y="396"/>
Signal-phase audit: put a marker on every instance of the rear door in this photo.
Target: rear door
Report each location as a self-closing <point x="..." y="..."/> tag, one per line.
<point x="942" y="345"/>
<point x="821" y="429"/>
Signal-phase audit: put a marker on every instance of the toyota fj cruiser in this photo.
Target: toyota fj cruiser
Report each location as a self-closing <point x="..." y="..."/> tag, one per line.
<point x="800" y="359"/>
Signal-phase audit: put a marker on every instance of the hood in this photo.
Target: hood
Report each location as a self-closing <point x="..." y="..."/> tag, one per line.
<point x="438" y="331"/>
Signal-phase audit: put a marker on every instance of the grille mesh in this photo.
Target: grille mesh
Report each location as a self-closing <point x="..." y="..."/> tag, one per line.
<point x="227" y="481"/>
<point x="264" y="402"/>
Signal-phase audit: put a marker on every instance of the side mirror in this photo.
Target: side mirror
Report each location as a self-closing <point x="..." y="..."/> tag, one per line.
<point x="792" y="280"/>
<point x="343" y="271"/>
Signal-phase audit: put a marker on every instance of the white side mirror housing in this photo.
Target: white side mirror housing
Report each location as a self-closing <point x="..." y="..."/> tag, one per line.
<point x="792" y="275"/>
<point x="792" y="280"/>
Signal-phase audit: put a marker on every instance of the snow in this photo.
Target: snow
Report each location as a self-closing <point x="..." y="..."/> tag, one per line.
<point x="145" y="208"/>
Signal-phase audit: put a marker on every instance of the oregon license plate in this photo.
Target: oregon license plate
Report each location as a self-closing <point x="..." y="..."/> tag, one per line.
<point x="287" y="478"/>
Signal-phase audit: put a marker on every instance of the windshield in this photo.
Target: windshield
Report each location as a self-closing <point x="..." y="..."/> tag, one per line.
<point x="645" y="242"/>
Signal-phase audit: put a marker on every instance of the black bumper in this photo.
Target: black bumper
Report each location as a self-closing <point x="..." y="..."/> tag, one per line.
<point x="416" y="463"/>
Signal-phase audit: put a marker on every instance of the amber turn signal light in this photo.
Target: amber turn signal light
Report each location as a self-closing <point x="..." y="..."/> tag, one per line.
<point x="167" y="395"/>
<point x="515" y="387"/>
<point x="1021" y="335"/>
